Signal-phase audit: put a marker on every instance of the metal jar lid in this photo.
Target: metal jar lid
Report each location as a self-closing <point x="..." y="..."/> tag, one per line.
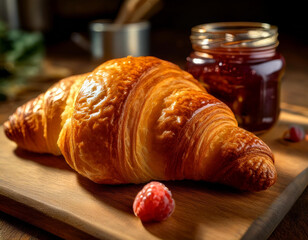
<point x="234" y="35"/>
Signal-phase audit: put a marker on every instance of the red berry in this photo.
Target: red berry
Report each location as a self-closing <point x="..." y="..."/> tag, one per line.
<point x="154" y="202"/>
<point x="294" y="134"/>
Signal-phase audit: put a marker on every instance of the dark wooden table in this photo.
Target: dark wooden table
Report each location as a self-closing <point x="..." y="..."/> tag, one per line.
<point x="294" y="95"/>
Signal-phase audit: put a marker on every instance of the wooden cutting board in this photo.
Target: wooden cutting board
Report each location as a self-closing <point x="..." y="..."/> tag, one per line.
<point x="44" y="191"/>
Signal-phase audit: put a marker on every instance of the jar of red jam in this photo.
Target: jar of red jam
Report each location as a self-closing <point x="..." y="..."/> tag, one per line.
<point x="238" y="63"/>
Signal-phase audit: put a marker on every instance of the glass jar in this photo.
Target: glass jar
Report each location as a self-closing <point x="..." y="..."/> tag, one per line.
<point x="238" y="63"/>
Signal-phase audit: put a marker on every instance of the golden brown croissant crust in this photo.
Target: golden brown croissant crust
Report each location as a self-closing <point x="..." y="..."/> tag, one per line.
<point x="136" y="119"/>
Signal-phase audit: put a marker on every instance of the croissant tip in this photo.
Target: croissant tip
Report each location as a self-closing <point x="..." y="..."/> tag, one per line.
<point x="261" y="176"/>
<point x="7" y="129"/>
<point x="269" y="175"/>
<point x="252" y="175"/>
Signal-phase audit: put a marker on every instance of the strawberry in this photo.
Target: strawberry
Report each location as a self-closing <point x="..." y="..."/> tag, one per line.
<point x="295" y="133"/>
<point x="154" y="202"/>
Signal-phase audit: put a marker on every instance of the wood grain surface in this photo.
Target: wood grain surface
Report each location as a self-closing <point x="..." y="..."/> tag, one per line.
<point x="44" y="191"/>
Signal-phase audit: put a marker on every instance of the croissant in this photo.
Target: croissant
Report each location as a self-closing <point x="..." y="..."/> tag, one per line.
<point x="135" y="119"/>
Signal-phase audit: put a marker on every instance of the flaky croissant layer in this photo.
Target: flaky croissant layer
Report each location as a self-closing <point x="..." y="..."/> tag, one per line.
<point x="140" y="118"/>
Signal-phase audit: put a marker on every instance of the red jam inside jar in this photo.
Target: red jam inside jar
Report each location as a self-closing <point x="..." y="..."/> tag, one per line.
<point x="238" y="63"/>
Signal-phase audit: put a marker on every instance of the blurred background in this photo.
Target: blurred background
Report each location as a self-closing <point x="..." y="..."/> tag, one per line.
<point x="45" y="40"/>
<point x="58" y="19"/>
